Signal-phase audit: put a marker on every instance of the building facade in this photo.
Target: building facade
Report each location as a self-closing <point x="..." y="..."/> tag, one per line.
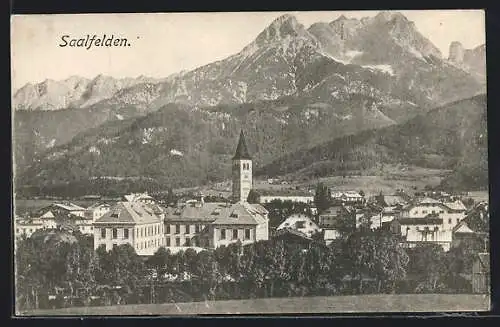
<point x="347" y="197"/>
<point x="429" y="220"/>
<point x="133" y="223"/>
<point x="300" y="223"/>
<point x="268" y="198"/>
<point x="210" y="225"/>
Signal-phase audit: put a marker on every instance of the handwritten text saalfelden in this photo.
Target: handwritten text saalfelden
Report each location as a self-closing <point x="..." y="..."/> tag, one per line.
<point x="88" y="41"/>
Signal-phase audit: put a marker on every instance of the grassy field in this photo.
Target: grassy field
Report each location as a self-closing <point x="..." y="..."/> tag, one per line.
<point x="303" y="305"/>
<point x="386" y="180"/>
<point x="479" y="196"/>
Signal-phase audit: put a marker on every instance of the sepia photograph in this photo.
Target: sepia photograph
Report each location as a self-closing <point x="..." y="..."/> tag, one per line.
<point x="238" y="163"/>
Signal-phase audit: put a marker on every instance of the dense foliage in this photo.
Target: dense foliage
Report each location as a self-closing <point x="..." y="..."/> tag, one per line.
<point x="68" y="268"/>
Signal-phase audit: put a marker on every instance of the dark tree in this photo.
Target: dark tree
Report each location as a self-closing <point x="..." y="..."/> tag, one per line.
<point x="322" y="197"/>
<point x="253" y="196"/>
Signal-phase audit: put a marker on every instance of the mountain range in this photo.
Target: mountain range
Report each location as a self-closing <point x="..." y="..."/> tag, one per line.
<point x="291" y="88"/>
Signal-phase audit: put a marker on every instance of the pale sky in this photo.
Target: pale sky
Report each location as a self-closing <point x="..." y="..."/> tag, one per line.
<point x="162" y="44"/>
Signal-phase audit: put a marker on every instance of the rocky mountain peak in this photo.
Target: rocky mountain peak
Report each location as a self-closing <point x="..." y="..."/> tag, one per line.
<point x="282" y="27"/>
<point x="387" y="16"/>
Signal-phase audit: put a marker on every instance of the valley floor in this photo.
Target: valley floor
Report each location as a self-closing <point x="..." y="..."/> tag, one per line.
<point x="304" y="305"/>
<point x="372" y="182"/>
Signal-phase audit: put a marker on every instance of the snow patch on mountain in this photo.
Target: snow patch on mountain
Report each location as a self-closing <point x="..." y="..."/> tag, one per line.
<point x="353" y="53"/>
<point x="382" y="68"/>
<point x="175" y="152"/>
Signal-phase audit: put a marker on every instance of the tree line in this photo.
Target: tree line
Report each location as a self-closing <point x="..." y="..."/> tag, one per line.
<point x="366" y="261"/>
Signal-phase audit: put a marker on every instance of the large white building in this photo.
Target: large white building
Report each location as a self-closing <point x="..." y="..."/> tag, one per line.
<point x="135" y="223"/>
<point x="429" y="220"/>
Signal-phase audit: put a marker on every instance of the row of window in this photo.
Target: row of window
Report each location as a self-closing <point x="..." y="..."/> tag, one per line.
<point x="436" y="228"/>
<point x="187" y="242"/>
<point x="26" y="230"/>
<point x="425" y="212"/>
<point x="148" y="231"/>
<point x="223" y="234"/>
<point x="149" y="244"/>
<point x="139" y="233"/>
<point x="188" y="229"/>
<point x="114" y="233"/>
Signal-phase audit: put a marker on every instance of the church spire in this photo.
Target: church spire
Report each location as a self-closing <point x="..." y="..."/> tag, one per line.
<point x="242" y="150"/>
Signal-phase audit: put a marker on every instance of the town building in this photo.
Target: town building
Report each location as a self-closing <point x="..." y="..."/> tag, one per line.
<point x="429" y="220"/>
<point x="370" y="216"/>
<point x="48" y="220"/>
<point x="97" y="210"/>
<point x="347" y="197"/>
<point x="61" y="209"/>
<point x="140" y="197"/>
<point x="50" y="217"/>
<point x="300" y="223"/>
<point x="83" y="224"/>
<point x="390" y="200"/>
<point x="267" y="196"/>
<point x="130" y="222"/>
<point x="210" y="225"/>
<point x="473" y="230"/>
<point x="335" y="220"/>
<point x="292" y="236"/>
<point x="26" y="227"/>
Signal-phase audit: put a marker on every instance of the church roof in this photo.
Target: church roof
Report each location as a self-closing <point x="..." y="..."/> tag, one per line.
<point x="242" y="150"/>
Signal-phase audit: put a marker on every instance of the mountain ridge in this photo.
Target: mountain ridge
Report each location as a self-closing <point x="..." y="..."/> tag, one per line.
<point x="179" y="146"/>
<point x="299" y="86"/>
<point x="357" y="48"/>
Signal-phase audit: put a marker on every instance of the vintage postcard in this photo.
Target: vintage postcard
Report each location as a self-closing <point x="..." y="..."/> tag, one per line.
<point x="250" y="163"/>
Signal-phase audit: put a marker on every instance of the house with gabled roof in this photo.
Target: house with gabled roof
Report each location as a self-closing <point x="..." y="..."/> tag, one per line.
<point x="140" y="197"/>
<point x="61" y="209"/>
<point x="97" y="210"/>
<point x="347" y="197"/>
<point x="429" y="220"/>
<point x="301" y="223"/>
<point x="132" y="222"/>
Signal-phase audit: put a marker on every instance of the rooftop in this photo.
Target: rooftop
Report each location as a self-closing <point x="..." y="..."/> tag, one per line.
<point x="241" y="149"/>
<point x="284" y="193"/>
<point x="68" y="206"/>
<point x="130" y="212"/>
<point x="218" y="213"/>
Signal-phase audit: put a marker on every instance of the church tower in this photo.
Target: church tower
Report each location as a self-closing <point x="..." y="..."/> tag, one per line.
<point x="242" y="171"/>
